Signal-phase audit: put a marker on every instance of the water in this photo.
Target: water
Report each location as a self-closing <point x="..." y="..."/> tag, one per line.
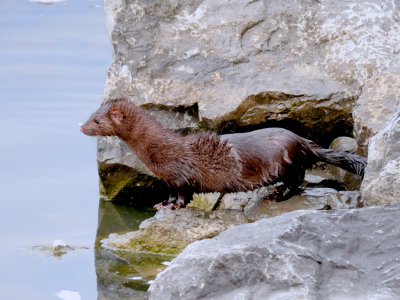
<point x="53" y="63"/>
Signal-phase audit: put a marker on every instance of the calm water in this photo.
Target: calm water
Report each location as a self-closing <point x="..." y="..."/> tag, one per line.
<point x="53" y="61"/>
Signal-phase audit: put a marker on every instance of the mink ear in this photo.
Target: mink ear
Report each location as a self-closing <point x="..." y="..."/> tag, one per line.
<point x="116" y="115"/>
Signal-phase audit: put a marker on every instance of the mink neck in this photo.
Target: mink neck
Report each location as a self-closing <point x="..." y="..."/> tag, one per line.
<point x="149" y="140"/>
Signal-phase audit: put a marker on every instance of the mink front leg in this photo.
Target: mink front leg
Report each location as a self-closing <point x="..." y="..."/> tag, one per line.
<point x="178" y="198"/>
<point x="180" y="202"/>
<point x="171" y="199"/>
<point x="290" y="185"/>
<point x="282" y="193"/>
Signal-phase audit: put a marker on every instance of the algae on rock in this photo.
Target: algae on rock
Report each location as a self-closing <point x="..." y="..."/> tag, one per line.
<point x="169" y="232"/>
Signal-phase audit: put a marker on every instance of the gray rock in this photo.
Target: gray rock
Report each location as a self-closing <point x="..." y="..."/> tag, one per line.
<point x="247" y="201"/>
<point x="206" y="64"/>
<point x="288" y="54"/>
<point x="308" y="199"/>
<point x="381" y="182"/>
<point x="255" y="204"/>
<point x="318" y="176"/>
<point x="169" y="232"/>
<point x="348" y="180"/>
<point x="345" y="199"/>
<point x="112" y="150"/>
<point x="205" y="201"/>
<point x="344" y="254"/>
<point x="376" y="105"/>
<point x="344" y="143"/>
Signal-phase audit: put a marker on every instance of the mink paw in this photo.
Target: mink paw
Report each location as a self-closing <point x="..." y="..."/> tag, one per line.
<point x="272" y="198"/>
<point x="173" y="206"/>
<point x="169" y="205"/>
<point x="158" y="206"/>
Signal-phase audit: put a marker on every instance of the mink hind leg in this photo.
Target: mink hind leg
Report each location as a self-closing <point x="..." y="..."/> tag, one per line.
<point x="289" y="187"/>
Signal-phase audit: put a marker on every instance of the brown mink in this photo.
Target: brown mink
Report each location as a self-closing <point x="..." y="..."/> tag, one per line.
<point x="207" y="162"/>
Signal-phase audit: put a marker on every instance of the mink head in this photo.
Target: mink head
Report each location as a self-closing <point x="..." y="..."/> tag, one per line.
<point x="110" y="119"/>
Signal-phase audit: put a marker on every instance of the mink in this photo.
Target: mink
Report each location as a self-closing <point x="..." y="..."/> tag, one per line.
<point x="207" y="162"/>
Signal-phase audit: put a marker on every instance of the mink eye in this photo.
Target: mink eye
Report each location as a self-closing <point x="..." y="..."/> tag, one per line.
<point x="97" y="121"/>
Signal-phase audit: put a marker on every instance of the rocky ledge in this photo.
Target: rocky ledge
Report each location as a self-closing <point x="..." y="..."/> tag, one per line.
<point x="319" y="68"/>
<point x="344" y="254"/>
<point x="323" y="69"/>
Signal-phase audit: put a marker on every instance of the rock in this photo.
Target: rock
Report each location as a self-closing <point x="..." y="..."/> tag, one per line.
<point x="348" y="180"/>
<point x="226" y="65"/>
<point x="124" y="176"/>
<point x="381" y="182"/>
<point x="319" y="176"/>
<point x="344" y="254"/>
<point x="121" y="182"/>
<point x="169" y="232"/>
<point x="205" y="201"/>
<point x="308" y="199"/>
<point x="344" y="143"/>
<point x="245" y="201"/>
<point x="345" y="200"/>
<point x="255" y="206"/>
<point x="312" y="54"/>
<point x="375" y="105"/>
<point x="112" y="150"/>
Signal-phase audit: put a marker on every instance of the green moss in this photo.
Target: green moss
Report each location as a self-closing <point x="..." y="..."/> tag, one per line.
<point x="120" y="182"/>
<point x="158" y="240"/>
<point x="207" y="202"/>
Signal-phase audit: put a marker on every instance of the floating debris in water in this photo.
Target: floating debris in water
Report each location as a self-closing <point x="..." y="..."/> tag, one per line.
<point x="59" y="243"/>
<point x="47" y="2"/>
<point x="136" y="278"/>
<point x="68" y="295"/>
<point x="58" y="248"/>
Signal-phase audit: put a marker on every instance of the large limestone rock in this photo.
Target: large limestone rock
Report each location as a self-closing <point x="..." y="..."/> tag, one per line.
<point x="124" y="176"/>
<point x="381" y="182"/>
<point x="255" y="205"/>
<point x="223" y="64"/>
<point x="376" y="105"/>
<point x="347" y="179"/>
<point x="344" y="254"/>
<point x="169" y="232"/>
<point x="247" y="60"/>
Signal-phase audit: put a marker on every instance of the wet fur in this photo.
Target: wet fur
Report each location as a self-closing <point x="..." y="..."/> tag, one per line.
<point x="206" y="162"/>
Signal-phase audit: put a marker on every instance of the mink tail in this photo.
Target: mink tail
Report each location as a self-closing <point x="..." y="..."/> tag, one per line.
<point x="348" y="161"/>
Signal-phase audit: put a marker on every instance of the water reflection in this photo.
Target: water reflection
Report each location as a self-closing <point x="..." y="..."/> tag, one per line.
<point x="53" y="61"/>
<point x="123" y="274"/>
<point x="53" y="66"/>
